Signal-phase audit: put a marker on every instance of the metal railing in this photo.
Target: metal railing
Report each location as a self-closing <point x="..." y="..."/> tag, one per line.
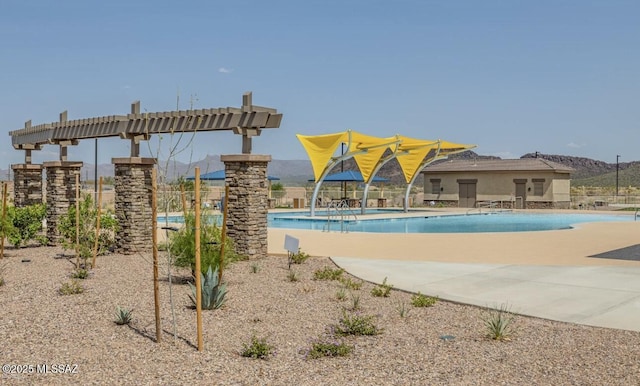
<point x="339" y="211"/>
<point x="491" y="206"/>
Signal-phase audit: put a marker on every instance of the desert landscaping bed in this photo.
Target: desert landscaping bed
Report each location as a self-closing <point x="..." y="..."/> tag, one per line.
<point x="445" y="344"/>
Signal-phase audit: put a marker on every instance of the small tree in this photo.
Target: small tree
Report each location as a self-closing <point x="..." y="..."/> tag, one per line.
<point x="87" y="229"/>
<point x="24" y="224"/>
<point x="182" y="245"/>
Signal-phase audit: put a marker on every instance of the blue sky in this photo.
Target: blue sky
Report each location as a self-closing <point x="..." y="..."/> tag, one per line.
<point x="513" y="77"/>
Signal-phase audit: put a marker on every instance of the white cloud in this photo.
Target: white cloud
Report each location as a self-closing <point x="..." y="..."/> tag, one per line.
<point x="126" y="87"/>
<point x="576" y="145"/>
<point x="224" y="70"/>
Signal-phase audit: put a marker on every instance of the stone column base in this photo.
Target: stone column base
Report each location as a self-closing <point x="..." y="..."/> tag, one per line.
<point x="248" y="203"/>
<point x="27" y="184"/>
<point x="61" y="194"/>
<point x="133" y="188"/>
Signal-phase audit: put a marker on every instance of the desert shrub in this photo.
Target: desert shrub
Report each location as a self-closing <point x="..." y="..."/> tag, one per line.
<point x="80" y="273"/>
<point x="356" y="324"/>
<point x="328" y="346"/>
<point x="71" y="288"/>
<point x="382" y="290"/>
<point x="87" y="229"/>
<point x="182" y="245"/>
<point x="498" y="323"/>
<point x="299" y="257"/>
<point x="355" y="302"/>
<point x="420" y="300"/>
<point x="328" y="273"/>
<point x="403" y="310"/>
<point x="292" y="276"/>
<point x="351" y="284"/>
<point x="258" y="348"/>
<point x="24" y="224"/>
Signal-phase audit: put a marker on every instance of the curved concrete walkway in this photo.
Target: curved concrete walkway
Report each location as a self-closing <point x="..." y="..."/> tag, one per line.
<point x="589" y="275"/>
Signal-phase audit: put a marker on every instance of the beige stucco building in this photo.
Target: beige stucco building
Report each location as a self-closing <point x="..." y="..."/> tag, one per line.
<point x="527" y="183"/>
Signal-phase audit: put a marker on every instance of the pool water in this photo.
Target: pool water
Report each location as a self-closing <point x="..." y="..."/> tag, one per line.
<point x="475" y="223"/>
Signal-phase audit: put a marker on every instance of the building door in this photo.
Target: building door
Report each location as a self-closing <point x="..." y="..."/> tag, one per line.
<point x="467" y="194"/>
<point x="521" y="193"/>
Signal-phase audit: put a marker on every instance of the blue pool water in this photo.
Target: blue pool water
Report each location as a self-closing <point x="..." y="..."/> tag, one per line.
<point x="494" y="222"/>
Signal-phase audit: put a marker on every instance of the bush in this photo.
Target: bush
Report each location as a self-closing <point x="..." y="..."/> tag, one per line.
<point x="299" y="257"/>
<point x="71" y="288"/>
<point x="25" y="224"/>
<point x="328" y="274"/>
<point x="356" y="325"/>
<point x="257" y="349"/>
<point x="80" y="273"/>
<point x="350" y="284"/>
<point x="183" y="247"/>
<point x="328" y="346"/>
<point x="420" y="300"/>
<point x="382" y="290"/>
<point x="87" y="229"/>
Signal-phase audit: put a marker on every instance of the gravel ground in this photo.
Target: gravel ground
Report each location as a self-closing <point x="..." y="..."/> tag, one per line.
<point x="40" y="326"/>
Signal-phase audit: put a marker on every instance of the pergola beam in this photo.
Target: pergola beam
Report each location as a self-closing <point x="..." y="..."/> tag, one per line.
<point x="136" y="123"/>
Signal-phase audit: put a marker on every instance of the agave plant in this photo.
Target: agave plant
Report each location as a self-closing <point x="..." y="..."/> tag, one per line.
<point x="213" y="292"/>
<point x="123" y="316"/>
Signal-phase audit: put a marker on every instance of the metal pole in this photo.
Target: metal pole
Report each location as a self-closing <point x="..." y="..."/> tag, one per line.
<point x="95" y="173"/>
<point x="617" y="169"/>
<point x="98" y="215"/>
<point x="344" y="183"/>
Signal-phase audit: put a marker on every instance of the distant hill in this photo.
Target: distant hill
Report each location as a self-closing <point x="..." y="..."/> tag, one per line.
<point x="588" y="172"/>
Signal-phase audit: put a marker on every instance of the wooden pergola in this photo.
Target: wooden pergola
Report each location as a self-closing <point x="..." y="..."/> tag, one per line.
<point x="248" y="120"/>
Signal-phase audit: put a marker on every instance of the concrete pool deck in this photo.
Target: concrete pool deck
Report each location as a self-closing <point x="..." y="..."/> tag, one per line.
<point x="588" y="275"/>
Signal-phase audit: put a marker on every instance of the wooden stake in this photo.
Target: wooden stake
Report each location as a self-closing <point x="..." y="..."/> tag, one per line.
<point x="197" y="257"/>
<point x="223" y="234"/>
<point x="4" y="216"/>
<point x="78" y="220"/>
<point x="154" y="241"/>
<point x="98" y="215"/>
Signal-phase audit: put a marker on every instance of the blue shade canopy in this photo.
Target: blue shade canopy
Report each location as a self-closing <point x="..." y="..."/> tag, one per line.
<point x="219" y="175"/>
<point x="350" y="176"/>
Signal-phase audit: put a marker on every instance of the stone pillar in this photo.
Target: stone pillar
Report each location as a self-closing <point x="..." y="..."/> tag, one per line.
<point x="248" y="203"/>
<point x="61" y="193"/>
<point x="27" y="184"/>
<point x="133" y="188"/>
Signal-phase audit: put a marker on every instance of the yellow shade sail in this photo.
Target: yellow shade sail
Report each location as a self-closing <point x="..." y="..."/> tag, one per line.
<point x="320" y="149"/>
<point x="412" y="154"/>
<point x="368" y="150"/>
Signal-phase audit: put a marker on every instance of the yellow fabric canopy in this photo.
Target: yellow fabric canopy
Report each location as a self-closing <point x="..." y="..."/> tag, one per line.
<point x="368" y="150"/>
<point x="320" y="149"/>
<point x="412" y="154"/>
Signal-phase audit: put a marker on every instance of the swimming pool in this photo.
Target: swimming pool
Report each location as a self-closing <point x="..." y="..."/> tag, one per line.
<point x="475" y="223"/>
